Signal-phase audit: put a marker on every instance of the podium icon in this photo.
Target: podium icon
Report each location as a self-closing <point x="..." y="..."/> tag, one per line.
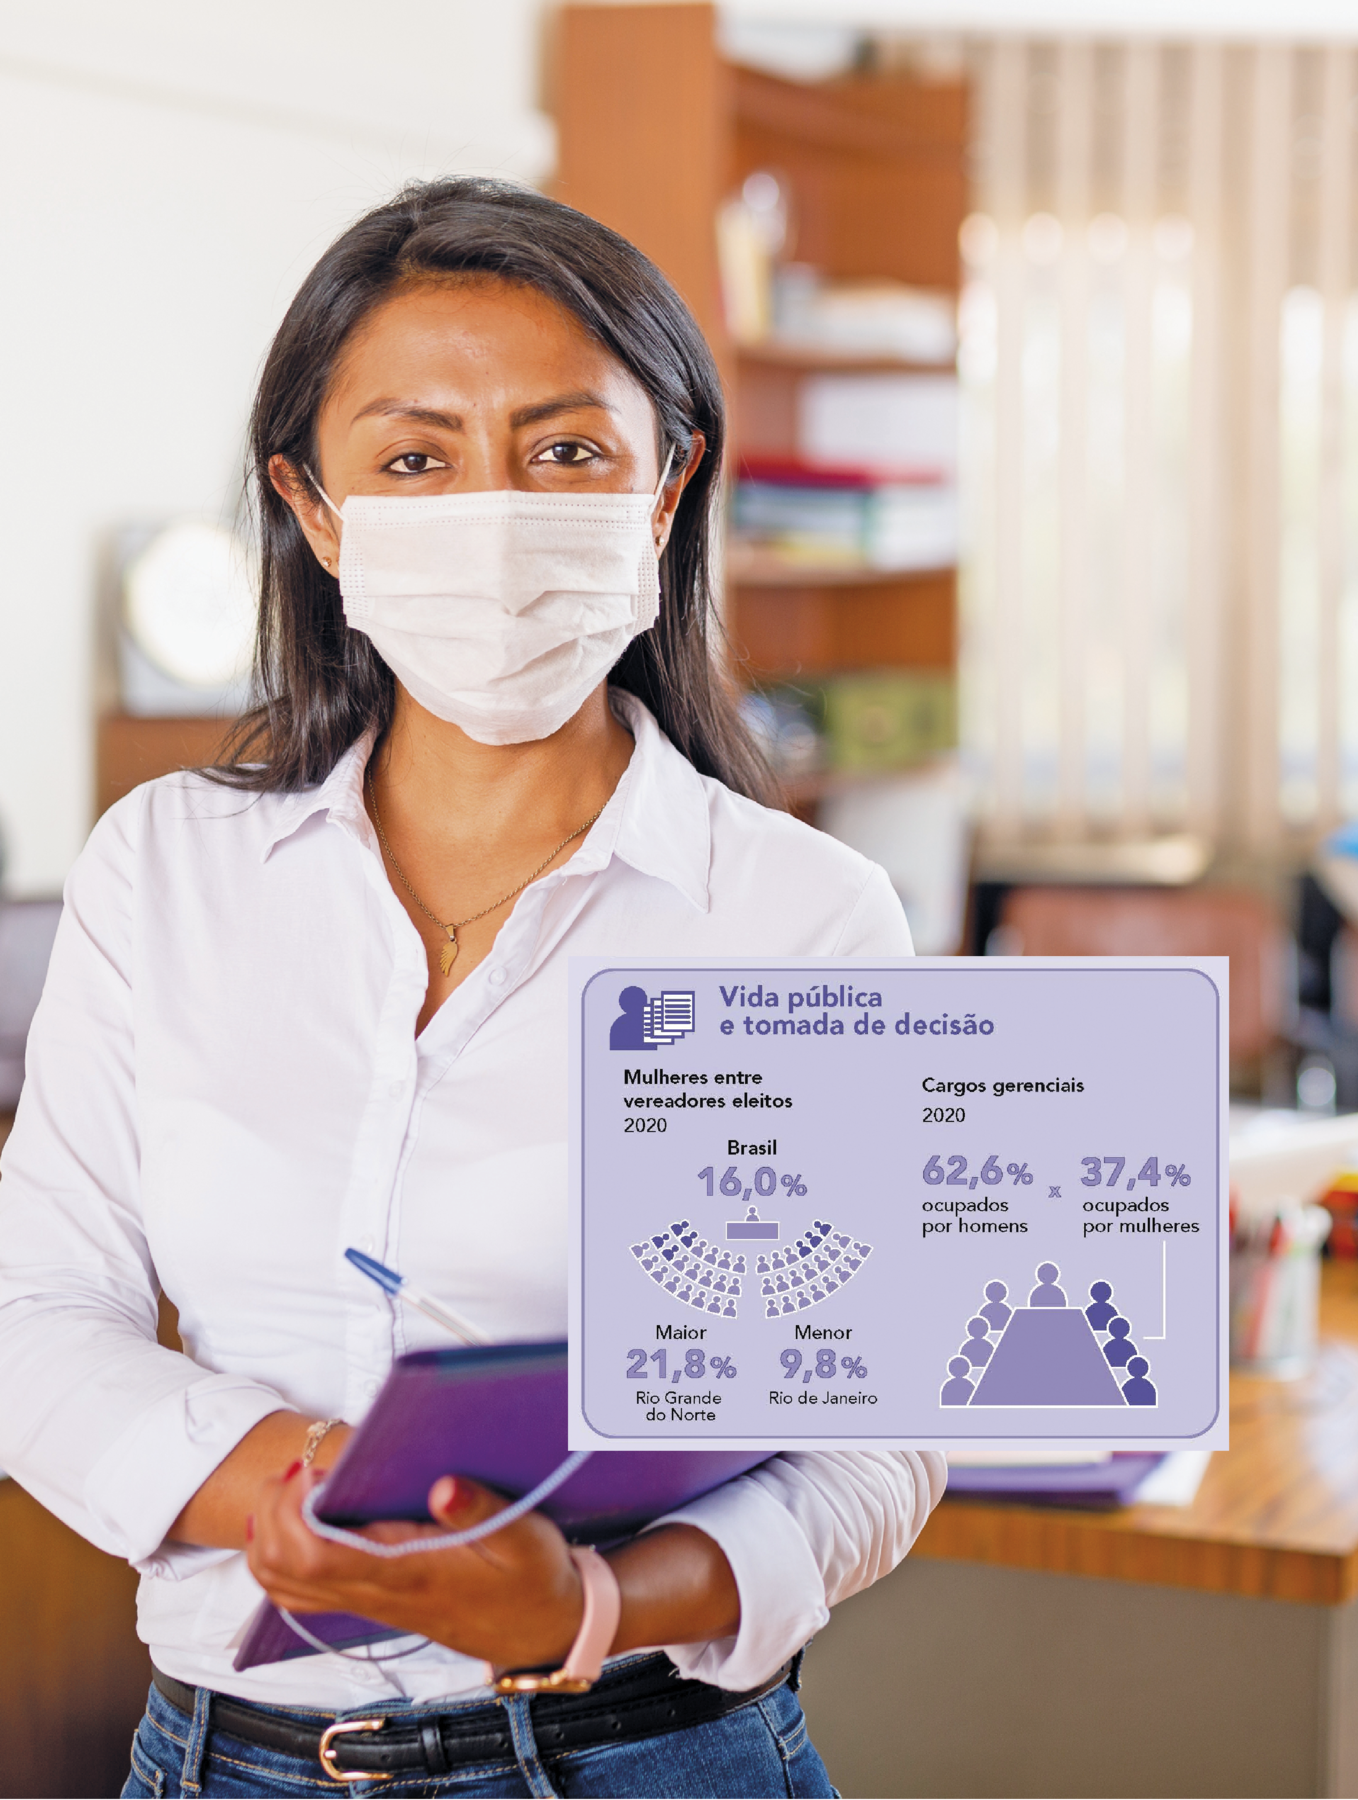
<point x="752" y="1226"/>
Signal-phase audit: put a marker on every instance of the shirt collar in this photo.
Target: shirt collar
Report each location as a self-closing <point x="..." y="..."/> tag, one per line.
<point x="657" y="820"/>
<point x="340" y="796"/>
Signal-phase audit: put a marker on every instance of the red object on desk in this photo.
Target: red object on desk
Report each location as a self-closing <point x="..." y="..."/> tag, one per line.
<point x="1342" y="1205"/>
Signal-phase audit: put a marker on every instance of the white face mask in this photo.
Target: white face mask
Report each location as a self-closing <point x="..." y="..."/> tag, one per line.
<point x="500" y="612"/>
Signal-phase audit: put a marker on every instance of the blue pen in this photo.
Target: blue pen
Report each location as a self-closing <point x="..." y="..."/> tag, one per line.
<point x="398" y="1285"/>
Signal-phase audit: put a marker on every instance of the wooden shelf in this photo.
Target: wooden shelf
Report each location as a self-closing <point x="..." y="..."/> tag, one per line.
<point x="1276" y="1516"/>
<point x="877" y="165"/>
<point x="898" y="622"/>
<point x="746" y="567"/>
<point x="805" y="357"/>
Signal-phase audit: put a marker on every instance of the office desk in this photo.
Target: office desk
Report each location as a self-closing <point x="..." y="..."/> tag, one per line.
<point x="1202" y="1650"/>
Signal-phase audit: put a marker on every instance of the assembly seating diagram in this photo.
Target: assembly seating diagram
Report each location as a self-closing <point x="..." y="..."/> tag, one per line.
<point x="1048" y="1353"/>
<point x="791" y="1278"/>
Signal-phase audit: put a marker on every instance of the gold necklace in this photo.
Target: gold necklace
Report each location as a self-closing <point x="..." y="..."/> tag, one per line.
<point x="448" y="954"/>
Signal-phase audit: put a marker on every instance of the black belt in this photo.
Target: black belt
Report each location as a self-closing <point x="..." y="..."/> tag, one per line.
<point x="641" y="1700"/>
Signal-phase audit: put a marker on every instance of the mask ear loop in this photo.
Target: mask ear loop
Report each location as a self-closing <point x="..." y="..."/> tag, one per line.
<point x="659" y="486"/>
<point x="659" y="495"/>
<point x="329" y="502"/>
<point x="324" y="496"/>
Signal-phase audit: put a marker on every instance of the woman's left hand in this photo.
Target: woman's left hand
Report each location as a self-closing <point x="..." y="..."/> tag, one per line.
<point x="513" y="1598"/>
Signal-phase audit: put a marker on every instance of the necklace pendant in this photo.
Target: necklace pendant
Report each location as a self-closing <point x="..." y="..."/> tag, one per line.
<point x="448" y="956"/>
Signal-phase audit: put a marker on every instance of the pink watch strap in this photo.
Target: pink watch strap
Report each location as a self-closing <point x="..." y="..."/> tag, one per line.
<point x="599" y="1626"/>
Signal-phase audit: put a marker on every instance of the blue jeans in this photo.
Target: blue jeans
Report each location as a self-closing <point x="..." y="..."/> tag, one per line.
<point x="760" y="1749"/>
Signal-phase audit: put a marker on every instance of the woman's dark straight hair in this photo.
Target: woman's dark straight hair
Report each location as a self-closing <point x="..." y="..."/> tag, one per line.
<point x="319" y="684"/>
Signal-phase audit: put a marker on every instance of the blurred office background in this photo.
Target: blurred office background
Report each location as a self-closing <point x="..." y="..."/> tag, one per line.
<point x="1039" y="321"/>
<point x="1042" y="569"/>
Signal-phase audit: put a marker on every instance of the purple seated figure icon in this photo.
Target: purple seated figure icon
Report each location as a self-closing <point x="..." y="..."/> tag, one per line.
<point x="995" y="1313"/>
<point x="957" y="1391"/>
<point x="977" y="1349"/>
<point x="1099" y="1313"/>
<point x="1046" y="1293"/>
<point x="1119" y="1349"/>
<point x="1138" y="1391"/>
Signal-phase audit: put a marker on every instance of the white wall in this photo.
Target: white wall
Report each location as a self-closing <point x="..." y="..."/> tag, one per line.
<point x="1300" y="20"/>
<point x="168" y="173"/>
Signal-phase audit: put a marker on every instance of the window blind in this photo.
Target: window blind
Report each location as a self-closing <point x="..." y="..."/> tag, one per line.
<point x="1160" y="376"/>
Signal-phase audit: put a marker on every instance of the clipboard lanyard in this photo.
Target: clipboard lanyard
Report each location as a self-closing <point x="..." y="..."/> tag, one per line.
<point x="445" y="1540"/>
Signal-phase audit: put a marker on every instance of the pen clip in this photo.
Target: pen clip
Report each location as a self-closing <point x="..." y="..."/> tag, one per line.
<point x="387" y="1279"/>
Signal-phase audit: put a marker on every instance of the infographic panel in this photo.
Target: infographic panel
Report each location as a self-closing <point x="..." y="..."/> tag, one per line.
<point x="964" y="1202"/>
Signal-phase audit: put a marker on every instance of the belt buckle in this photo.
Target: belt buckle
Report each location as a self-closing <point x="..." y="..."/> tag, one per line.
<point x="342" y="1728"/>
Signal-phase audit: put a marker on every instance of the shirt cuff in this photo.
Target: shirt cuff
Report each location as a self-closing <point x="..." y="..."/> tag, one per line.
<point x="140" y="1486"/>
<point x="782" y="1591"/>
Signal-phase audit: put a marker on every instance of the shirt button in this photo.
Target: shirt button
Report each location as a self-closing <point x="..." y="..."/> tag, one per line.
<point x="396" y="1089"/>
<point x="498" y="977"/>
<point x="367" y="1245"/>
<point x="372" y="1388"/>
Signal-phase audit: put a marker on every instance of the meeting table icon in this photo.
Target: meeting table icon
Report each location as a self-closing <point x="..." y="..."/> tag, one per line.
<point x="1048" y="1352"/>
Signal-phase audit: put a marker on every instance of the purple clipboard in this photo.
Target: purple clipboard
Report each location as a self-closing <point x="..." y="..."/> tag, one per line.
<point x="497" y="1414"/>
<point x="1105" y="1484"/>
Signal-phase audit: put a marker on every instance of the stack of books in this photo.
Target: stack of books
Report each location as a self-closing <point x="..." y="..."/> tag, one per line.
<point x="810" y="516"/>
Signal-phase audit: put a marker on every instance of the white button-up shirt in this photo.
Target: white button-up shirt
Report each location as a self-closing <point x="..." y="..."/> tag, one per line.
<point x="225" y="1088"/>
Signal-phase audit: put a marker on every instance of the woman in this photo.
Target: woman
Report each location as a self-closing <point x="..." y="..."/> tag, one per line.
<point x="318" y="998"/>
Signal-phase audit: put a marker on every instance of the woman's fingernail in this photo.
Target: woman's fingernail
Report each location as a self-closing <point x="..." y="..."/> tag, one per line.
<point x="444" y="1496"/>
<point x="293" y="1469"/>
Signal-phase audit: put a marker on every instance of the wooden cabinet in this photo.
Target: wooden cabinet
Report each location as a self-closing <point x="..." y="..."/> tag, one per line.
<point x="655" y="131"/>
<point x="73" y="1676"/>
<point x="73" y="1673"/>
<point x="130" y="750"/>
<point x="643" y="114"/>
